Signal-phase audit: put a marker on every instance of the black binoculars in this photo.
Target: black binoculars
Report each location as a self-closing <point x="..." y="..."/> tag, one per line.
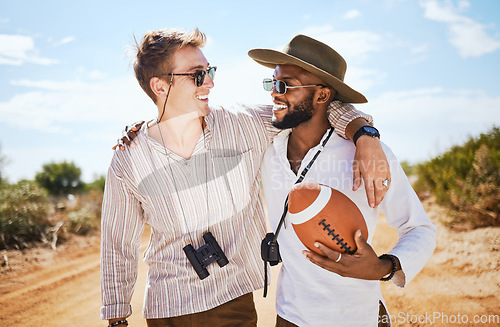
<point x="209" y="252"/>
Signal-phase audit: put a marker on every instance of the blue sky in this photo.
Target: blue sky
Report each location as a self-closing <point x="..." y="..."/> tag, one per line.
<point x="429" y="68"/>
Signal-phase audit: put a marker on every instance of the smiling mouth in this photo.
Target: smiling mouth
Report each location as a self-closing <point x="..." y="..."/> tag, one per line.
<point x="278" y="107"/>
<point x="202" y="97"/>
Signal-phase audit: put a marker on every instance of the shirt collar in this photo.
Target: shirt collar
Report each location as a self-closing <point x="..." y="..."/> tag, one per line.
<point x="281" y="139"/>
<point x="280" y="144"/>
<point x="209" y="120"/>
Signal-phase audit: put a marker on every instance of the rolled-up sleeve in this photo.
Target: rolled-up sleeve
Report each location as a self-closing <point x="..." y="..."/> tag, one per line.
<point x="122" y="225"/>
<point x="341" y="114"/>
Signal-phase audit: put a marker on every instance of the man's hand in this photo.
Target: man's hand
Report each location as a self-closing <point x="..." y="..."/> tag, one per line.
<point x="364" y="264"/>
<point x="370" y="163"/>
<point x="128" y="136"/>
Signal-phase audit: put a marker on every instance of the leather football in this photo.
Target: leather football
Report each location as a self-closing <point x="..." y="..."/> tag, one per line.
<point x="319" y="213"/>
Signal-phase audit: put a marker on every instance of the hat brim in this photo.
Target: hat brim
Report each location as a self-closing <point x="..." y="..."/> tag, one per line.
<point x="272" y="58"/>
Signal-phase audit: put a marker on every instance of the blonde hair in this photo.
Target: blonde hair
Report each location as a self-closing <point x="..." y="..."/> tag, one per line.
<point x="155" y="51"/>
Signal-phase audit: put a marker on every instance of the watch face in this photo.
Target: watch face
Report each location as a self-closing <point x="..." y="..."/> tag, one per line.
<point x="366" y="130"/>
<point x="371" y="130"/>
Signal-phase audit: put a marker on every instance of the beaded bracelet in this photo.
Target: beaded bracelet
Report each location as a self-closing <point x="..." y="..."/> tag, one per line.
<point x="394" y="267"/>
<point x="119" y="322"/>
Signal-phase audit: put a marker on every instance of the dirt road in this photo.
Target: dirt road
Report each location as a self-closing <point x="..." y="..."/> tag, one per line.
<point x="460" y="284"/>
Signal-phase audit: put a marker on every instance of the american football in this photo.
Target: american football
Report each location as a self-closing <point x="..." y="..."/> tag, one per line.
<point x="320" y="213"/>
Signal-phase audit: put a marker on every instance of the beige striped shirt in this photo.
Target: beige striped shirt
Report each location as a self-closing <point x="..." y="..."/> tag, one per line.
<point x="217" y="189"/>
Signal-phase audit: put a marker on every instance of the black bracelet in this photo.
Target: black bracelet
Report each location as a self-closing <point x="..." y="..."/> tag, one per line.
<point x="394" y="266"/>
<point x="119" y="322"/>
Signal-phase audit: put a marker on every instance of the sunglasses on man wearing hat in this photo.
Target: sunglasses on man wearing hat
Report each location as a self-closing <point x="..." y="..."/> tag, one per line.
<point x="198" y="76"/>
<point x="281" y="87"/>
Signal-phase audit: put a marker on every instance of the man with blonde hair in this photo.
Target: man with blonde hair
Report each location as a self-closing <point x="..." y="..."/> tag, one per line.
<point x="194" y="177"/>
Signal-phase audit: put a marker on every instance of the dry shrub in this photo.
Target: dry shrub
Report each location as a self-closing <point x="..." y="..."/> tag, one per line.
<point x="85" y="217"/>
<point x="466" y="179"/>
<point x="24" y="211"/>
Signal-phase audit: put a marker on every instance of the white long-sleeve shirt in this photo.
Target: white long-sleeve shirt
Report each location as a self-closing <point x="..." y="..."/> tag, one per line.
<point x="308" y="295"/>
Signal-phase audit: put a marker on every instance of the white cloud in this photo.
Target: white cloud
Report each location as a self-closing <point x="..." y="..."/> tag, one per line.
<point x="463" y="4"/>
<point x="465" y="34"/>
<point x="354" y="46"/>
<point x="351" y="14"/>
<point x="95" y="74"/>
<point x="418" y="53"/>
<point x="91" y="74"/>
<point x="57" y="105"/>
<point x="362" y="79"/>
<point x="65" y="40"/>
<point x="393" y="3"/>
<point x="50" y="85"/>
<point x="19" y="49"/>
<point x="419" y="49"/>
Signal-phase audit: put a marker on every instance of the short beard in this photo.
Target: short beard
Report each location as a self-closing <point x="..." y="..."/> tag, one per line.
<point x="300" y="113"/>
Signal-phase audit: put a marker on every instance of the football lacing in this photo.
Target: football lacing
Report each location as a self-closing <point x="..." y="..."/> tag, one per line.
<point x="335" y="237"/>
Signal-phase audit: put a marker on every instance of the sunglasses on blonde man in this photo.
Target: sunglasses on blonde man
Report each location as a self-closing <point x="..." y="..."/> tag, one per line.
<point x="198" y="76"/>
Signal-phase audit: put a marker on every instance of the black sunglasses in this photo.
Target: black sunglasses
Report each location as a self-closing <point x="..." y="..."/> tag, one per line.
<point x="199" y="75"/>
<point x="281" y="87"/>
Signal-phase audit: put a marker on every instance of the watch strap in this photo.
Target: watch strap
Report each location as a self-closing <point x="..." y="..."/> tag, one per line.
<point x="363" y="131"/>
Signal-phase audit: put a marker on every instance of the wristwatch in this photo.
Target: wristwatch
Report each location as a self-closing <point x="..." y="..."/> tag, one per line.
<point x="365" y="130"/>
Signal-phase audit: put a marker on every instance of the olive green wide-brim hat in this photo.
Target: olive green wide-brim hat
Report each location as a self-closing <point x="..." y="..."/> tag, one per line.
<point x="315" y="57"/>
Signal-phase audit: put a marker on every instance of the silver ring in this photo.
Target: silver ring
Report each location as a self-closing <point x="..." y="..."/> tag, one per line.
<point x="338" y="259"/>
<point x="386" y="182"/>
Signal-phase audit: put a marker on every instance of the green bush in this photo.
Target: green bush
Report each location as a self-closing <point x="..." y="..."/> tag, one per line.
<point x="24" y="211"/>
<point x="466" y="179"/>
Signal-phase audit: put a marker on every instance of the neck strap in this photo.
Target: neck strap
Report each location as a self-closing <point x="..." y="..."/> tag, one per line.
<point x="301" y="178"/>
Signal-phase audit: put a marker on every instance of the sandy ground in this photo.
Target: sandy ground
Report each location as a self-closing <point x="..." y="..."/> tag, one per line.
<point x="460" y="284"/>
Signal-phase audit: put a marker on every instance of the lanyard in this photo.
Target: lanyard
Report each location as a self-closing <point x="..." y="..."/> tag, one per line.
<point x="301" y="178"/>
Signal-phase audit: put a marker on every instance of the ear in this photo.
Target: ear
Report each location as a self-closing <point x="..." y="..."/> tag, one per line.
<point x="325" y="95"/>
<point x="157" y="85"/>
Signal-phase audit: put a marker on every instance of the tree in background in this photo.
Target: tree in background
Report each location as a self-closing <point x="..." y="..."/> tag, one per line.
<point x="97" y="184"/>
<point x="60" y="178"/>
